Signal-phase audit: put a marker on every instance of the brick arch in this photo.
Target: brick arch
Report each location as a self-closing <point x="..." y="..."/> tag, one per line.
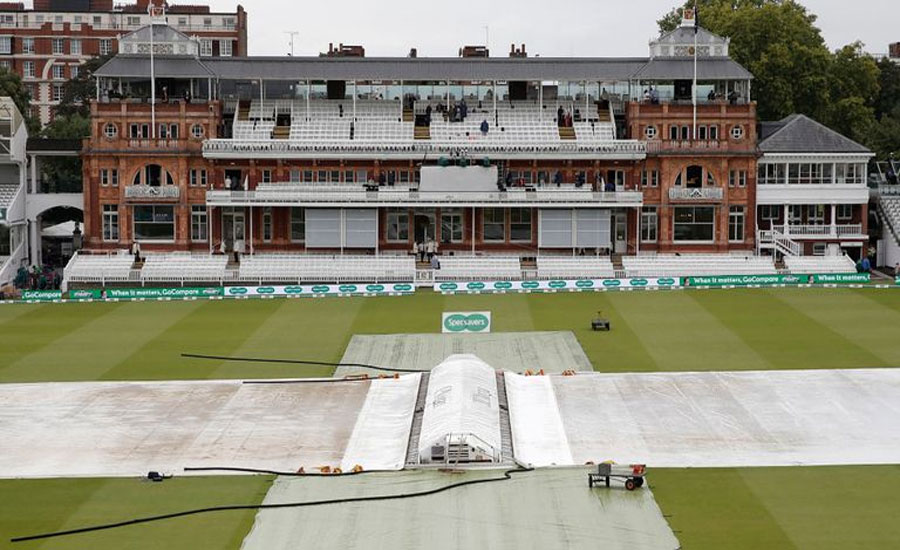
<point x="710" y="166"/>
<point x="168" y="167"/>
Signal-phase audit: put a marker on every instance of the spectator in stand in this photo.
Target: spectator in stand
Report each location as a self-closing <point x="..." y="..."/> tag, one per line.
<point x="866" y="265"/>
<point x="421" y="250"/>
<point x="733" y="97"/>
<point x="136" y="251"/>
<point x="711" y="96"/>
<point x="654" y="96"/>
<point x="560" y="117"/>
<point x="646" y="96"/>
<point x="435" y="263"/>
<point x="463" y="111"/>
<point x="352" y="130"/>
<point x="381" y="179"/>
<point x="558" y="178"/>
<point x="509" y="179"/>
<point x="429" y="249"/>
<point x="392" y="178"/>
<point x="485" y="127"/>
<point x="428" y="115"/>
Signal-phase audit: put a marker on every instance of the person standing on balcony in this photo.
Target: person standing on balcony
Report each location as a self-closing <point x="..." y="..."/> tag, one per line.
<point x="560" y="117"/>
<point x="485" y="127"/>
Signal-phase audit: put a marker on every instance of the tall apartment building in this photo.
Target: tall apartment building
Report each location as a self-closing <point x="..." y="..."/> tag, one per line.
<point x="47" y="44"/>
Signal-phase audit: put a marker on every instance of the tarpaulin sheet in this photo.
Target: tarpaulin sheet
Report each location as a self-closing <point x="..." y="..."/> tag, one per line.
<point x="381" y="434"/>
<point x="541" y="510"/>
<point x="130" y="428"/>
<point x="725" y="419"/>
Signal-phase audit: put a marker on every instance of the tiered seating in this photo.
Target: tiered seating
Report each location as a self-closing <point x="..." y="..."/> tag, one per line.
<point x="184" y="267"/>
<point x="890" y="205"/>
<point x="816" y="265"/>
<point x="86" y="268"/>
<point x="462" y="268"/>
<point x="549" y="267"/>
<point x="697" y="265"/>
<point x="7" y="194"/>
<point x="375" y="120"/>
<point x="285" y="268"/>
<point x="592" y="132"/>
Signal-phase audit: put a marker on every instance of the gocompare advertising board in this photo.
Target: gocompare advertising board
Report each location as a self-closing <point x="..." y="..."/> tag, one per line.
<point x="150" y="293"/>
<point x="386" y="289"/>
<point x="555" y="285"/>
<point x="466" y="322"/>
<point x="41" y="295"/>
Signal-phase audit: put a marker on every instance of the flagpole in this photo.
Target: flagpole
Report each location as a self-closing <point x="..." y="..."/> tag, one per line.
<point x="696" y="31"/>
<point x="152" y="80"/>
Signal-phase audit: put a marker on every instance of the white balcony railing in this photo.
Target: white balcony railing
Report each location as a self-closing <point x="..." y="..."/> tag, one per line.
<point x="281" y="148"/>
<point x="296" y="195"/>
<point x="839" y="231"/>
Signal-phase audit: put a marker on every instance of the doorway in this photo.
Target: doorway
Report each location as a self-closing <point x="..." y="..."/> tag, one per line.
<point x="620" y="232"/>
<point x="424" y="226"/>
<point x="233" y="224"/>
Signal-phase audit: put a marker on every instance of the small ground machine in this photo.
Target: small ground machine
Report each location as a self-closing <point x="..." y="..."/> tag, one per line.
<point x="633" y="475"/>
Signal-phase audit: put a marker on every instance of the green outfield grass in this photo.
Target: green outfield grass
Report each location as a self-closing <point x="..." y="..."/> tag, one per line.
<point x="652" y="331"/>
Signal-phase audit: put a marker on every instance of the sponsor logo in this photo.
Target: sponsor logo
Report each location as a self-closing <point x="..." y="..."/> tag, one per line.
<point x="638" y="282"/>
<point x="531" y="285"/>
<point x="265" y="290"/>
<point x="403" y="288"/>
<point x="321" y="289"/>
<point x="557" y="284"/>
<point x="503" y="285"/>
<point x="375" y="288"/>
<point x="449" y="286"/>
<point x="83" y="294"/>
<point x="612" y="283"/>
<point x="584" y="284"/>
<point x="237" y="291"/>
<point x="665" y="282"/>
<point x="293" y="290"/>
<point x="475" y="286"/>
<point x="348" y="288"/>
<point x="475" y="322"/>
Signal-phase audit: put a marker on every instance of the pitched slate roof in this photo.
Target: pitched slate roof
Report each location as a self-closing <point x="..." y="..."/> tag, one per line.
<point x="801" y="134"/>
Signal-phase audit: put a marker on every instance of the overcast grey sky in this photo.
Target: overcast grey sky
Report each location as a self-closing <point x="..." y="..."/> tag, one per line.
<point x="571" y="28"/>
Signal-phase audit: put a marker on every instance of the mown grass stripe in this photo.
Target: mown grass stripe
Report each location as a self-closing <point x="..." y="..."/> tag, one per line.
<point x="868" y="323"/>
<point x="681" y="335"/>
<point x="43" y="327"/>
<point x="783" y="335"/>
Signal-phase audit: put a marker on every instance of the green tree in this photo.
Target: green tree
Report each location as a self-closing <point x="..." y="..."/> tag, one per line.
<point x="888" y="88"/>
<point x="778" y="42"/>
<point x="11" y="85"/>
<point x="76" y="90"/>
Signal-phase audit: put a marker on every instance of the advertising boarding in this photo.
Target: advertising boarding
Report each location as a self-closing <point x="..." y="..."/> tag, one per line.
<point x="466" y="322"/>
<point x="583" y="285"/>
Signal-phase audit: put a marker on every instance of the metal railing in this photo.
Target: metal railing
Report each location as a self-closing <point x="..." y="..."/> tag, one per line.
<point x="287" y="147"/>
<point x="821" y="230"/>
<point x="537" y="197"/>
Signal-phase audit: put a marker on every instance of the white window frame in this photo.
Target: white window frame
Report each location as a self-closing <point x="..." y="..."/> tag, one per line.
<point x="6" y="45"/>
<point x="521" y="223"/>
<point x="296" y="222"/>
<point x="75" y="46"/>
<point x="110" y="223"/>
<point x="226" y="48"/>
<point x="398" y="218"/>
<point x="58" y="71"/>
<point x="267" y="225"/>
<point x="845" y="212"/>
<point x="105" y="46"/>
<point x="737" y="216"/>
<point x="451" y="222"/>
<point x="28" y="69"/>
<point x="28" y="45"/>
<point x="57" y="92"/>
<point x="58" y="46"/>
<point x="206" y="48"/>
<point x="484" y="224"/>
<point x="199" y="224"/>
<point x="649" y="224"/>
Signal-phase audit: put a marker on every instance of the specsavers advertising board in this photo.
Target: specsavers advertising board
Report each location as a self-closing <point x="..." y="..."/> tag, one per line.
<point x="466" y="322"/>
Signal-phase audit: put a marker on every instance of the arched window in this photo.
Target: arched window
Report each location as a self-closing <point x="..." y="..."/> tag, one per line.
<point x="694" y="177"/>
<point x="153" y="175"/>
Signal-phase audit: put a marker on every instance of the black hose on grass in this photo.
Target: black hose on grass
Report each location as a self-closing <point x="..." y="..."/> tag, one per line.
<point x="283" y="474"/>
<point x="507" y="475"/>
<point x="295" y="362"/>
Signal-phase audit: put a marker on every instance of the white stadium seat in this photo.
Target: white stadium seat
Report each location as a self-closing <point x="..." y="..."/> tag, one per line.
<point x="467" y="268"/>
<point x="817" y="265"/>
<point x="288" y="268"/>
<point x="184" y="268"/>
<point x="86" y="268"/>
<point x="697" y="265"/>
<point x="574" y="268"/>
